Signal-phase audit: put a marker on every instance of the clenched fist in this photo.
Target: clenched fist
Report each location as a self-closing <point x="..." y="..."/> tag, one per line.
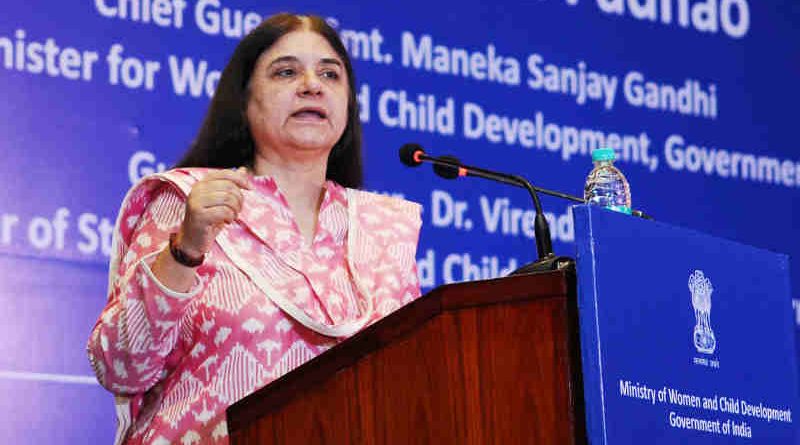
<point x="214" y="201"/>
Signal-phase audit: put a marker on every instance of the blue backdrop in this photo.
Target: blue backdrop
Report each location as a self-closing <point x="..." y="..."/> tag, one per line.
<point x="695" y="95"/>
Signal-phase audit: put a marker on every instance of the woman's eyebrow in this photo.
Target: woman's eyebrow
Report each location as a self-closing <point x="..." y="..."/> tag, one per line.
<point x="294" y="59"/>
<point x="330" y="61"/>
<point x="282" y="59"/>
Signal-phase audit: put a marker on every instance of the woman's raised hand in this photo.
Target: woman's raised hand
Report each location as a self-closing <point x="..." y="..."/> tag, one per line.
<point x="214" y="201"/>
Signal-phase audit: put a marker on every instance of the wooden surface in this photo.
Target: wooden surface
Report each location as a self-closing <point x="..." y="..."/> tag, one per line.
<point x="485" y="362"/>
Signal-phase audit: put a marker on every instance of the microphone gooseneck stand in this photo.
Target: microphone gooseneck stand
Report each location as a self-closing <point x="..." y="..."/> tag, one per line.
<point x="450" y="167"/>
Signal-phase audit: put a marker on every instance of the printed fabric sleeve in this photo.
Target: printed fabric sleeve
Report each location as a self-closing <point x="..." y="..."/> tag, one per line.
<point x="139" y="327"/>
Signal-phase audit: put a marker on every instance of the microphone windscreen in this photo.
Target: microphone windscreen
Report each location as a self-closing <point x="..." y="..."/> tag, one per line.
<point x="447" y="171"/>
<point x="408" y="152"/>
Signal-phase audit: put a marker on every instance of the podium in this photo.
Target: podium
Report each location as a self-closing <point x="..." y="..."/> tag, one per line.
<point x="664" y="336"/>
<point x="686" y="338"/>
<point x="485" y="362"/>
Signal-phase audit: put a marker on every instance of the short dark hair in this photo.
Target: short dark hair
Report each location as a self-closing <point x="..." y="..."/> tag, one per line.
<point x="224" y="139"/>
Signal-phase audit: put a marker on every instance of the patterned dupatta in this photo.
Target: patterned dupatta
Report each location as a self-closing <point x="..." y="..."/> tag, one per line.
<point x="374" y="223"/>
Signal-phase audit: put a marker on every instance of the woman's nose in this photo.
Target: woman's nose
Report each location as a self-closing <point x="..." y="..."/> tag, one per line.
<point x="311" y="84"/>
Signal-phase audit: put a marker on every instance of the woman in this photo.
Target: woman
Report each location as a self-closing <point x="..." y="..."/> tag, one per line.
<point x="251" y="257"/>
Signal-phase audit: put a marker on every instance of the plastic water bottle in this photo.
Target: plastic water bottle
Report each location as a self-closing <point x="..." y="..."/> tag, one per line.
<point x="606" y="186"/>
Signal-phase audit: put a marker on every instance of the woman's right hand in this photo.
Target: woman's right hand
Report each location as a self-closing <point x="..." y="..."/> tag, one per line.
<point x="214" y="201"/>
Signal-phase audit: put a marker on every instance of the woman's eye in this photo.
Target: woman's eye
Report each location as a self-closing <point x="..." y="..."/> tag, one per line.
<point x="330" y="75"/>
<point x="284" y="72"/>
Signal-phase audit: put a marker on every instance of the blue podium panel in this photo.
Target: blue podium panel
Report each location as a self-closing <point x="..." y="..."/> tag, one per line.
<point x="685" y="338"/>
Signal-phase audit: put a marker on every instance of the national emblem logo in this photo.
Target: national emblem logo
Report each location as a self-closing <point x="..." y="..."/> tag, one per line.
<point x="701" y="289"/>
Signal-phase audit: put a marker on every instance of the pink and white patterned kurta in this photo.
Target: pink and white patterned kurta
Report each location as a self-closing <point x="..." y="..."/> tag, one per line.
<point x="263" y="302"/>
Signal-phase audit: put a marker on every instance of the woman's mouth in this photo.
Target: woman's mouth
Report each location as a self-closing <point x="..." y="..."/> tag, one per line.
<point x="311" y="114"/>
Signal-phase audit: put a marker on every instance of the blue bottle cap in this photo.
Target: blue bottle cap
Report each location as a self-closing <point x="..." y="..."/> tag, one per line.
<point x="603" y="154"/>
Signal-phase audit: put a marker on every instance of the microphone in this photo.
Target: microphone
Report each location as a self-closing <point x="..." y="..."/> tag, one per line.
<point x="409" y="155"/>
<point x="447" y="171"/>
<point x="449" y="167"/>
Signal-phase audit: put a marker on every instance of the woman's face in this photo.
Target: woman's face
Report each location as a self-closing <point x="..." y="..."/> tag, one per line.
<point x="298" y="97"/>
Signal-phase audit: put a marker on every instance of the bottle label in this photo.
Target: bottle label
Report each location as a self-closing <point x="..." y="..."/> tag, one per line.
<point x="621" y="209"/>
